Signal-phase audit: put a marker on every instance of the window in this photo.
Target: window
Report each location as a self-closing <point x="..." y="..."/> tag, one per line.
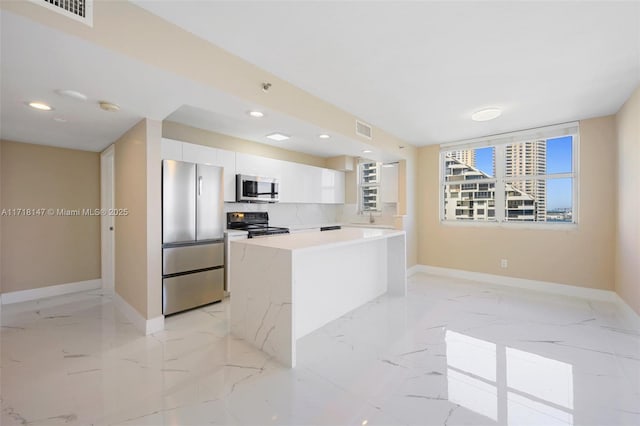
<point x="369" y="186"/>
<point x="520" y="177"/>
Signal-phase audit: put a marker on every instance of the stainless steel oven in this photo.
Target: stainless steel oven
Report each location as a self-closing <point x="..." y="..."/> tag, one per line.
<point x="256" y="189"/>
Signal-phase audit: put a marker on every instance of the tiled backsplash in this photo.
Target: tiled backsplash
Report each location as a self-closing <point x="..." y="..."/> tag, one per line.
<point x="285" y="214"/>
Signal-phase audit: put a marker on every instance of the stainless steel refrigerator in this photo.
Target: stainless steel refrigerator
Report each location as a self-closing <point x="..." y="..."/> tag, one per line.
<point x="192" y="235"/>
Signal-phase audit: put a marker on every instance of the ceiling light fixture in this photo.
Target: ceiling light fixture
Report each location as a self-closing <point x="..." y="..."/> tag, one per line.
<point x="41" y="106"/>
<point x="72" y="94"/>
<point x="256" y="114"/>
<point x="486" y="114"/>
<point x="108" y="106"/>
<point x="278" y="137"/>
<point x="324" y="136"/>
<point x="366" y="151"/>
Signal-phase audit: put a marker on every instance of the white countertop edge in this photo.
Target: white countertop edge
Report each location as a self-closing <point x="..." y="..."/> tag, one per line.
<point x="265" y="241"/>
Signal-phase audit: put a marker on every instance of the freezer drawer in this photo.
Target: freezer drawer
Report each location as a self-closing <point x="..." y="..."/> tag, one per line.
<point x="190" y="258"/>
<point x="192" y="290"/>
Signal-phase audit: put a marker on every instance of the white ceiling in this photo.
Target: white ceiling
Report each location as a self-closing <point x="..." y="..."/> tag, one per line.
<point x="419" y="69"/>
<point x="415" y="69"/>
<point x="37" y="61"/>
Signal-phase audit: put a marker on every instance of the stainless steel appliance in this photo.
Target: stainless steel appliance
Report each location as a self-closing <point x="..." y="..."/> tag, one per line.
<point x="255" y="223"/>
<point x="256" y="189"/>
<point x="192" y="235"/>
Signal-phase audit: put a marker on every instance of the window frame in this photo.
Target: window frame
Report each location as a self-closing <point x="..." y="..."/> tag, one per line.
<point x="499" y="143"/>
<point x="364" y="185"/>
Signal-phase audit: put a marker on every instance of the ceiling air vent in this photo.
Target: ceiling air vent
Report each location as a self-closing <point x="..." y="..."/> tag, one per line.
<point x="363" y="129"/>
<point x="80" y="10"/>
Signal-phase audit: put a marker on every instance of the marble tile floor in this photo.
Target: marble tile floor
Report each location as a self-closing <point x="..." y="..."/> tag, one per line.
<point x="452" y="352"/>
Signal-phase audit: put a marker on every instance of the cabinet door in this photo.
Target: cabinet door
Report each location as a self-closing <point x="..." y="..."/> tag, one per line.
<point x="389" y="183"/>
<point x="338" y="187"/>
<point x="199" y="154"/>
<point x="227" y="160"/>
<point x="171" y="149"/>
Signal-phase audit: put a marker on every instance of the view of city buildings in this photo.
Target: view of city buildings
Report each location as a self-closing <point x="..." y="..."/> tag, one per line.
<point x="526" y="200"/>
<point x="529" y="159"/>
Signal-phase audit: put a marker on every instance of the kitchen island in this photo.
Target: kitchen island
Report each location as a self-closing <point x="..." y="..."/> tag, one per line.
<point x="286" y="286"/>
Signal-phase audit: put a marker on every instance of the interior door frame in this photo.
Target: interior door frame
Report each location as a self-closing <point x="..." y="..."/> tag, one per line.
<point x="107" y="221"/>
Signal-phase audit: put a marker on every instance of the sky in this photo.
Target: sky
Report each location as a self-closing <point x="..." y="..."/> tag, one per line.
<point x="558" y="161"/>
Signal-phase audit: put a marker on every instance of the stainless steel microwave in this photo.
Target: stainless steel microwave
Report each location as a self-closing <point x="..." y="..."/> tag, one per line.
<point x="256" y="189"/>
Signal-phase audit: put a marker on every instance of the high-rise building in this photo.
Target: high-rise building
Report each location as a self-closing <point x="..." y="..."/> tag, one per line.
<point x="529" y="159"/>
<point x="467" y="197"/>
<point x="465" y="156"/>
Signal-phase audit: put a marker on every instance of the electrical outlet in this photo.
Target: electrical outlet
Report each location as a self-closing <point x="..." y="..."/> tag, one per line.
<point x="504" y="263"/>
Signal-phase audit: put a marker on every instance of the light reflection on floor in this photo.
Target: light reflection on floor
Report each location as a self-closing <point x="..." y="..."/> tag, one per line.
<point x="451" y="352"/>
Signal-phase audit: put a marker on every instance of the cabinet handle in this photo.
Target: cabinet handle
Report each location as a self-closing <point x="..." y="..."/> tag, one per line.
<point x="199" y="185"/>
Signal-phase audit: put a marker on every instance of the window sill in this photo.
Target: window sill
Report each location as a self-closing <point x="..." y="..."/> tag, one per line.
<point x="513" y="225"/>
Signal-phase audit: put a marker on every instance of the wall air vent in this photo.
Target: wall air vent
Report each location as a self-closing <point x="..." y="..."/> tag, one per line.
<point x="363" y="129"/>
<point x="80" y="10"/>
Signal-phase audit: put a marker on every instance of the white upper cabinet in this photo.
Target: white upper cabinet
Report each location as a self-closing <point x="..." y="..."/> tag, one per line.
<point x="332" y="186"/>
<point x="227" y="159"/>
<point x="299" y="183"/>
<point x="170" y="149"/>
<point x="254" y="165"/>
<point x="389" y="184"/>
<point x="199" y="154"/>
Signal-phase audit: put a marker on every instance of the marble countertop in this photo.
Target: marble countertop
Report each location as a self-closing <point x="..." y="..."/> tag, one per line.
<point x="326" y="239"/>
<point x="298" y="227"/>
<point x="235" y="232"/>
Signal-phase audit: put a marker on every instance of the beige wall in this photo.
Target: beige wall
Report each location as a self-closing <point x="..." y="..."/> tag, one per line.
<point x="627" y="276"/>
<point x="138" y="253"/>
<point x="154" y="218"/>
<point x="131" y="231"/>
<point x="48" y="250"/>
<point x="581" y="257"/>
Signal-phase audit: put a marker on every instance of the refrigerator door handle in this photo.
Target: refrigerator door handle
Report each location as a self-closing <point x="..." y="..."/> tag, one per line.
<point x="199" y="185"/>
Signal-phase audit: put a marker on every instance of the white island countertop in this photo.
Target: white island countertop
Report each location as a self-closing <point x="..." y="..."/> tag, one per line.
<point x="286" y="286"/>
<point x="323" y="239"/>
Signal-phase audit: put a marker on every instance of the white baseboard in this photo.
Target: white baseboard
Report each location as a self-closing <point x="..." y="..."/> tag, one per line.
<point x="146" y="326"/>
<point x="544" y="286"/>
<point x="413" y="270"/>
<point x="50" y="291"/>
<point x="630" y="316"/>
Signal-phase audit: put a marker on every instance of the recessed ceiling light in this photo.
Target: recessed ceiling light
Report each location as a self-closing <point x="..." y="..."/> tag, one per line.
<point x="278" y="137"/>
<point x="72" y="94"/>
<point x="40" y="106"/>
<point x="324" y="136"/>
<point x="367" y="151"/>
<point x="108" y="106"/>
<point x="256" y="114"/>
<point x="486" y="114"/>
<point x="60" y="120"/>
